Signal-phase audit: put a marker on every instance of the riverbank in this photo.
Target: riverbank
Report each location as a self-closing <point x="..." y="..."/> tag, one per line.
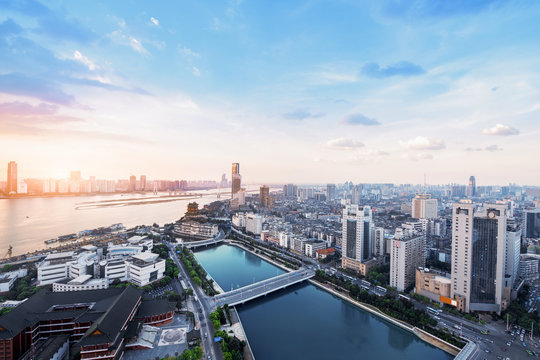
<point x="423" y="335"/>
<point x="248" y="352"/>
<point x="262" y="256"/>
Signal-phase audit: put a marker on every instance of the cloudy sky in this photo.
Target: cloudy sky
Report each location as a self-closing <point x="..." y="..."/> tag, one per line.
<point x="296" y="91"/>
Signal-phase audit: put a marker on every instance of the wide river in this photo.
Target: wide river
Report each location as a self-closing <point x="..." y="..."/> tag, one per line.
<point x="26" y="222"/>
<point x="305" y="322"/>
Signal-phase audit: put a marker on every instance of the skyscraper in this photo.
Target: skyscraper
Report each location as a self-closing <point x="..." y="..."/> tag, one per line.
<point x="531" y="223"/>
<point x="11" y="187"/>
<point x="236" y="179"/>
<point x="290" y="190"/>
<point x="478" y="257"/>
<point x="357" y="238"/>
<point x="330" y="192"/>
<point x="264" y="196"/>
<point x="471" y="187"/>
<point x="132" y="183"/>
<point x="142" y="185"/>
<point x="424" y="207"/>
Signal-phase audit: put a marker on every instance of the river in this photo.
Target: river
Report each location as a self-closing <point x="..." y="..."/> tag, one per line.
<point x="26" y="222"/>
<point x="306" y="322"/>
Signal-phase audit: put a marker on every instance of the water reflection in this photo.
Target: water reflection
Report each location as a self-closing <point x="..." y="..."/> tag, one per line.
<point x="399" y="340"/>
<point x="252" y="259"/>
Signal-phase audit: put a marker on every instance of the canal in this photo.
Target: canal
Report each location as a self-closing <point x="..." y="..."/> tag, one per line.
<point x="305" y="322"/>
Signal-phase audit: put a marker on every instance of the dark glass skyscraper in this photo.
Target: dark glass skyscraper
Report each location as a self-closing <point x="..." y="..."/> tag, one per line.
<point x="532" y="223"/>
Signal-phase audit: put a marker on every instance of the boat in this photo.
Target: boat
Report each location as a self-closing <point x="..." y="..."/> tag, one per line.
<point x="51" y="241"/>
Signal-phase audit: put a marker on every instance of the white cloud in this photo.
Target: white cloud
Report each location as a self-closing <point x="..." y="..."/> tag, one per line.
<point x="119" y="37"/>
<point x="500" y="130"/>
<point x="417" y="157"/>
<point x="196" y="71"/>
<point x="154" y="21"/>
<point x="423" y="143"/>
<point x="493" y="148"/>
<point x="84" y="60"/>
<point x="187" y="52"/>
<point x="344" y="144"/>
<point x="137" y="45"/>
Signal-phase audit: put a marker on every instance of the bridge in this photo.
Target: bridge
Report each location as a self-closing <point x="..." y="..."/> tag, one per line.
<point x="207" y="242"/>
<point x="261" y="288"/>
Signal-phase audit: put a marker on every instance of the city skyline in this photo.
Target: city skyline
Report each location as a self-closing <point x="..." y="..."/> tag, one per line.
<point x="372" y="92"/>
<point x="139" y="178"/>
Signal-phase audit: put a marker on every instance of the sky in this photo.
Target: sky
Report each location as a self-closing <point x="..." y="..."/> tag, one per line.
<point x="295" y="91"/>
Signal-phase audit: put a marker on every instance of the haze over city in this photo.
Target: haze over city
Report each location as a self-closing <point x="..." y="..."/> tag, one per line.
<point x="309" y="92"/>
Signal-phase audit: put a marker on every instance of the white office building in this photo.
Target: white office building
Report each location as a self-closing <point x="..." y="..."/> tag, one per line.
<point x="54" y="267"/>
<point x="254" y="223"/>
<point x="145" y="268"/>
<point x="479" y="257"/>
<point x="424" y="207"/>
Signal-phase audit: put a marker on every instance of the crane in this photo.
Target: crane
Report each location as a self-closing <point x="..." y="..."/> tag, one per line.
<point x="8" y="253"/>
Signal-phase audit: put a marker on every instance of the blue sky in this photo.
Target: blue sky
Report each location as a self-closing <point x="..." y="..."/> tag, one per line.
<point x="311" y="91"/>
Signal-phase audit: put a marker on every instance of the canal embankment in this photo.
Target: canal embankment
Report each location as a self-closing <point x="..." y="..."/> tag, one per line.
<point x="235" y="318"/>
<point x="423" y="335"/>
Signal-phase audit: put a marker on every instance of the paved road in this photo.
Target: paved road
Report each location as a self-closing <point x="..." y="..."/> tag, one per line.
<point x="201" y="309"/>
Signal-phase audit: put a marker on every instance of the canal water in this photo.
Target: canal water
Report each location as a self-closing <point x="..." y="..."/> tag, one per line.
<point x="305" y="322"/>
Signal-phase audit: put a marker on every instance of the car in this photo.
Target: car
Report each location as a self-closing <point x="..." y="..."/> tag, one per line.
<point x="509" y="343"/>
<point x="205" y="335"/>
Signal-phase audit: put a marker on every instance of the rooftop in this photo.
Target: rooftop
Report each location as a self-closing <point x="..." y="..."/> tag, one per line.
<point x="146" y="257"/>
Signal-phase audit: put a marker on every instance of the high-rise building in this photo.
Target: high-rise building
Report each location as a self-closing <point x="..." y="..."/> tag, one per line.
<point x="264" y="196"/>
<point x="12" y="183"/>
<point x="424" y="207"/>
<point x="224" y="182"/>
<point x="531" y="223"/>
<point x="236" y="179"/>
<point x="355" y="197"/>
<point x="379" y="247"/>
<point x="290" y="190"/>
<point x="330" y="192"/>
<point x="406" y="255"/>
<point x="142" y="185"/>
<point x="478" y="257"/>
<point x="132" y="183"/>
<point x="513" y="247"/>
<point x="357" y="237"/>
<point x="471" y="187"/>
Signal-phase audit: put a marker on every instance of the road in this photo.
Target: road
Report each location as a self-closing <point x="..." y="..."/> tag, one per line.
<point x="200" y="308"/>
